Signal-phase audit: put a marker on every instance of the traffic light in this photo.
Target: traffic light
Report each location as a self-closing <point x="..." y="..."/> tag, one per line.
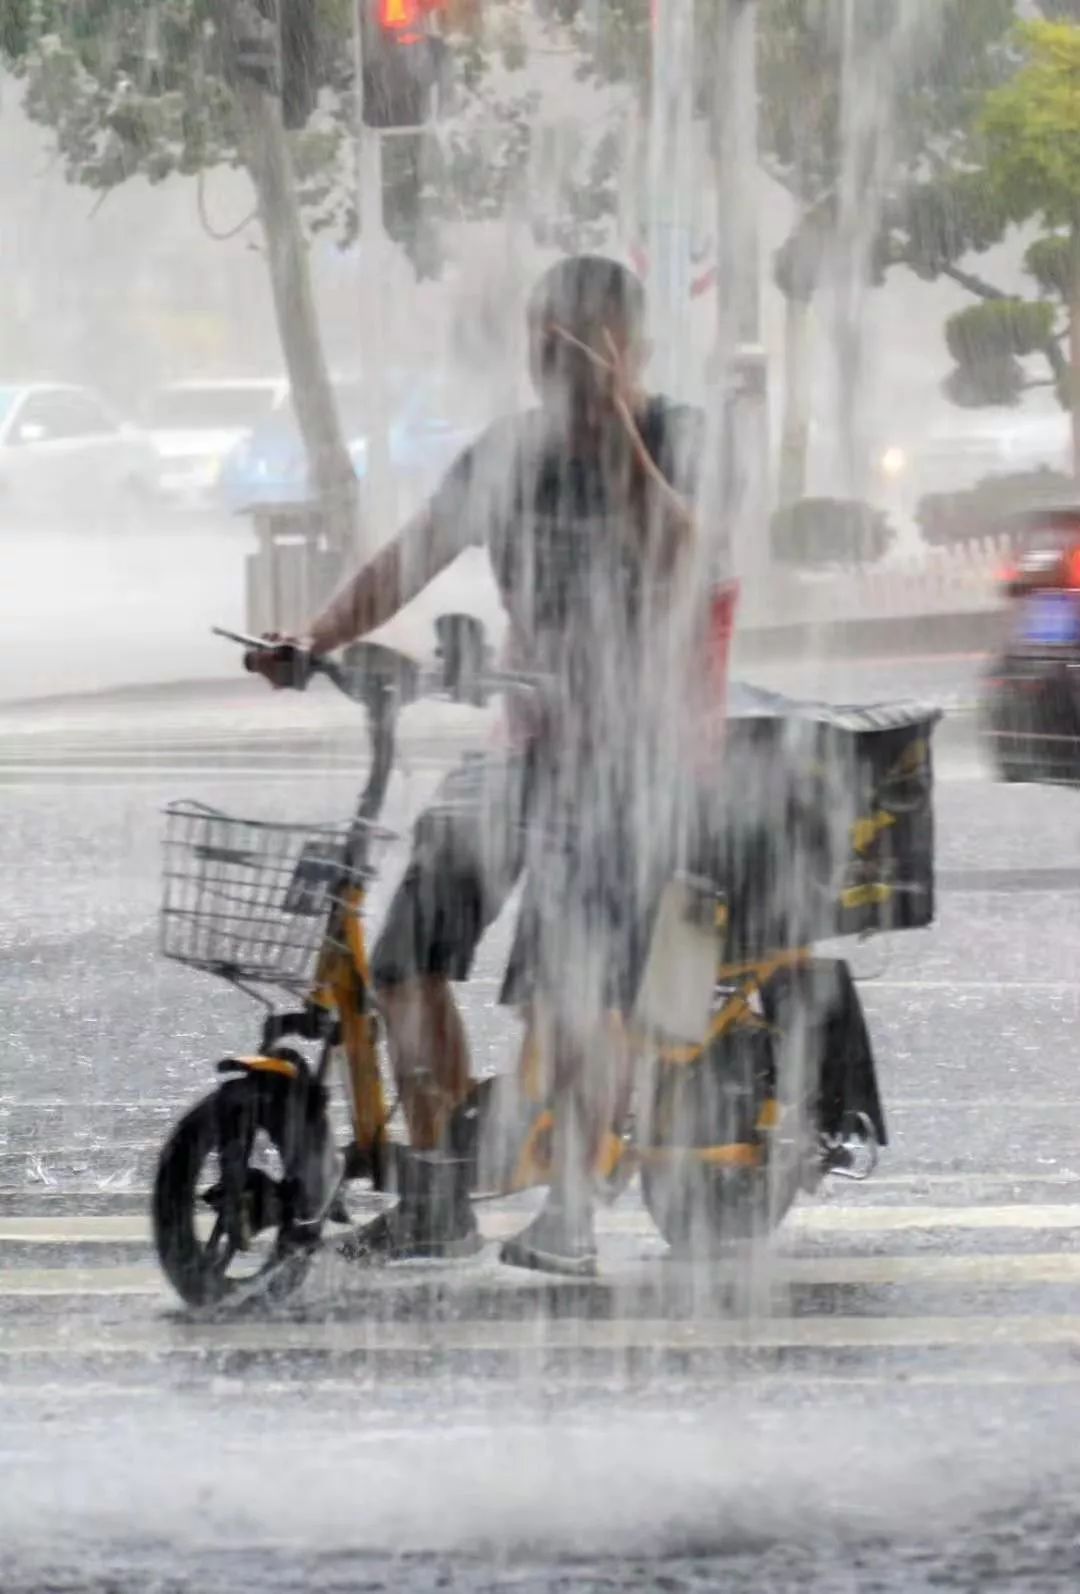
<point x="404" y="61"/>
<point x="275" y="44"/>
<point x="299" y="60"/>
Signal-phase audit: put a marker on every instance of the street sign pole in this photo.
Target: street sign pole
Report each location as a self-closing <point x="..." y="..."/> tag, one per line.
<point x="670" y="157"/>
<point x="740" y="356"/>
<point x="376" y="254"/>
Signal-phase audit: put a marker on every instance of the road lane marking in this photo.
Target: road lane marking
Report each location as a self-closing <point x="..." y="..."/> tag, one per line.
<point x="763" y="1382"/>
<point x="132" y="1195"/>
<point x="29" y="780"/>
<point x="823" y="1219"/>
<point x="897" y="1103"/>
<point x="28" y="776"/>
<point x="882" y="1219"/>
<point x="871" y="983"/>
<point x="118" y="1229"/>
<point x="999" y="1270"/>
<point x="41" y="1282"/>
<point x="984" y="1103"/>
<point x="89" y="1103"/>
<point x="539" y="1336"/>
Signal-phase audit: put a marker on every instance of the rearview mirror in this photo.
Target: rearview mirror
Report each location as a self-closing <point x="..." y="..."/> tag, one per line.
<point x="31" y="432"/>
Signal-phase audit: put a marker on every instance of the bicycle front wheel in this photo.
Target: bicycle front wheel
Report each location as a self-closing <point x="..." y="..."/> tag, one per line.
<point x="224" y="1210"/>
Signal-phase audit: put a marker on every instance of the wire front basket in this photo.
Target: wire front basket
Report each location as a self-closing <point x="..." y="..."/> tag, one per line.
<point x="249" y="899"/>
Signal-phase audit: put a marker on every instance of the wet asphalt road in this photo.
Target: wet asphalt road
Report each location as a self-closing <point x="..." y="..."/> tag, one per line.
<point x="890" y="1403"/>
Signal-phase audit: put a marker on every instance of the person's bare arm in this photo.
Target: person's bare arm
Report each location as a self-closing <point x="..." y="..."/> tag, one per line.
<point x="456" y="517"/>
<point x="384" y="585"/>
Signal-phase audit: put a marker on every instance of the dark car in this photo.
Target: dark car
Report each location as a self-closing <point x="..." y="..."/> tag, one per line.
<point x="1031" y="698"/>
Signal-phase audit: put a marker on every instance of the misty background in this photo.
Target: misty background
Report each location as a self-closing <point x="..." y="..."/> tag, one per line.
<point x="127" y="290"/>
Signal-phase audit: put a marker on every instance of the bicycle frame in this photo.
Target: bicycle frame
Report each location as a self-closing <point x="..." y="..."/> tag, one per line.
<point x="339" y="1009"/>
<point x="616" y="1158"/>
<point x="744" y="985"/>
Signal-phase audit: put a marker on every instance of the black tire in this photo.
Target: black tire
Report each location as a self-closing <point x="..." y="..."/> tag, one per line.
<point x="194" y="1272"/>
<point x="703" y="1207"/>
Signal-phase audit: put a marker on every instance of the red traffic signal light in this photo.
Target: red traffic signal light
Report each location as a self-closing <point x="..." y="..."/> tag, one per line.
<point x="402" y="18"/>
<point x="405" y="18"/>
<point x="404" y="61"/>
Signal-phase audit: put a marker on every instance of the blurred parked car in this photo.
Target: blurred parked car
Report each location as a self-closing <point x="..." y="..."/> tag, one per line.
<point x="1031" y="695"/>
<point x="194" y="427"/>
<point x="64" y="453"/>
<point x="270" y="466"/>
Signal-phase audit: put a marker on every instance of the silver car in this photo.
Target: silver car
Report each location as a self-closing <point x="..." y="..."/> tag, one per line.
<point x="64" y="453"/>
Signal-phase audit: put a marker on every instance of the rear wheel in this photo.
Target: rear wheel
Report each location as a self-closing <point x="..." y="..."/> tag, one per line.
<point x="224" y="1211"/>
<point x="718" y="1167"/>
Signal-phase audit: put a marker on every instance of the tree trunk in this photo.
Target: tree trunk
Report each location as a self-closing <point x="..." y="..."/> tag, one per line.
<point x="795" y="433"/>
<point x="331" y="472"/>
<point x="1074" y="347"/>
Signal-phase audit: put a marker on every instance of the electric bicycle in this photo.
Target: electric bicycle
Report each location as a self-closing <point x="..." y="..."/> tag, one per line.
<point x="776" y="1091"/>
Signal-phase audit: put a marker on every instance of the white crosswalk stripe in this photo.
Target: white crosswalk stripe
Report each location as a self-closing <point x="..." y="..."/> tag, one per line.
<point x="957" y="1271"/>
<point x="1006" y="1283"/>
<point x="824" y="1219"/>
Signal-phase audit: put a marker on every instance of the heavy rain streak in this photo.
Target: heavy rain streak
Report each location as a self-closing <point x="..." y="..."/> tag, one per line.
<point x="539" y="641"/>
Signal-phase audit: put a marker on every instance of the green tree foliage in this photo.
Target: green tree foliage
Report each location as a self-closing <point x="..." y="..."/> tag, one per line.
<point x="1010" y="160"/>
<point x="817" y="532"/>
<point x="930" y="212"/>
<point x="16" y="26"/>
<point x="947" y="520"/>
<point x="938" y="88"/>
<point x="149" y="88"/>
<point x="142" y="86"/>
<point x="988" y="341"/>
<point x="1049" y="261"/>
<point x="1031" y="130"/>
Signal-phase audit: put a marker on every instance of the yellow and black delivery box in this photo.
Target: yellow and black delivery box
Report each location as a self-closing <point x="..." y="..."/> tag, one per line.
<point x="821" y="822"/>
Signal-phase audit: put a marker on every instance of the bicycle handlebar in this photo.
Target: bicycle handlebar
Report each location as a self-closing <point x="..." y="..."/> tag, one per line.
<point x="367" y="671"/>
<point x="383" y="681"/>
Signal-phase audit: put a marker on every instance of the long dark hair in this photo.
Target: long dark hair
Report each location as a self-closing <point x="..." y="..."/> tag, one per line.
<point x="588" y="292"/>
<point x="585" y="295"/>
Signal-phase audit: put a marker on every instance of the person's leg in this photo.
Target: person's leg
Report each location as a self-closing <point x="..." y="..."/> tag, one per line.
<point x="429" y="1054"/>
<point x="466" y="858"/>
<point x="582" y="956"/>
<point x="450" y="893"/>
<point x="560" y="1239"/>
